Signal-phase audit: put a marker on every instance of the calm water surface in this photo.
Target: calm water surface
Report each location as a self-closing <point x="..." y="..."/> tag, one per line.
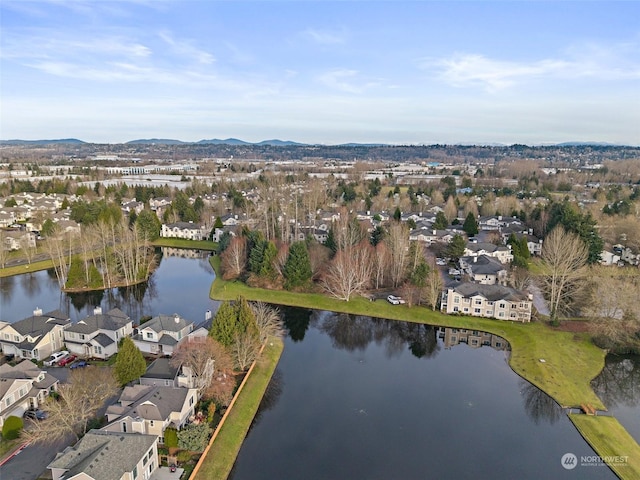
<point x="179" y="285"/>
<point x="361" y="398"/>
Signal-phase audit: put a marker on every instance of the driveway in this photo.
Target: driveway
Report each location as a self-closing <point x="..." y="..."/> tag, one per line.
<point x="32" y="462"/>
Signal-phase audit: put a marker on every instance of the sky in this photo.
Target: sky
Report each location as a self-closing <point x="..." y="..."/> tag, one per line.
<point x="321" y="72"/>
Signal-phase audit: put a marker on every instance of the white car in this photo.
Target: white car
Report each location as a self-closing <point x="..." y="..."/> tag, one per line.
<point x="441" y="262"/>
<point x="53" y="359"/>
<point x="395" y="300"/>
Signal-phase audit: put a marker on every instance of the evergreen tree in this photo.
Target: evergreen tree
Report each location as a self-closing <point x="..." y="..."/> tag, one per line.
<point x="149" y="224"/>
<point x="470" y="225"/>
<point x="397" y="215"/>
<point x="256" y="256"/>
<point x="455" y="249"/>
<point x="130" y="364"/>
<point x="297" y="269"/>
<point x="441" y="221"/>
<point x="218" y="223"/>
<point x="266" y="268"/>
<point x="233" y="320"/>
<point x="330" y="242"/>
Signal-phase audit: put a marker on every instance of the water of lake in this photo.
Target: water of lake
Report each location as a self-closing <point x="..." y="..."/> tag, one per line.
<point x="355" y="397"/>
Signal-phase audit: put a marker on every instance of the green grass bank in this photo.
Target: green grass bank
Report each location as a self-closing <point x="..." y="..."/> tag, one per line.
<point x="183" y="243"/>
<point x="219" y="459"/>
<point x="571" y="360"/>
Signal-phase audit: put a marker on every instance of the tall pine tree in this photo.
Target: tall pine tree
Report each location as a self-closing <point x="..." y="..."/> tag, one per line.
<point x="130" y="364"/>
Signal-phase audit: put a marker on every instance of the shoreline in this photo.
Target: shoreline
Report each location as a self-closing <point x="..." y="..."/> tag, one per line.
<point x="571" y="361"/>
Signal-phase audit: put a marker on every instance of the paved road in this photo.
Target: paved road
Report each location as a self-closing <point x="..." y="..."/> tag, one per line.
<point x="32" y="462"/>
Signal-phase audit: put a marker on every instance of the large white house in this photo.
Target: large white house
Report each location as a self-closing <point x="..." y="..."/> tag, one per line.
<point x="98" y="335"/>
<point x="161" y="334"/>
<point x="493" y="301"/>
<point x="35" y="337"/>
<point x="186" y="230"/>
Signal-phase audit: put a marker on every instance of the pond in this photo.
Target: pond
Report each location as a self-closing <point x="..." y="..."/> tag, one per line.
<point x="180" y="284"/>
<point x="357" y="397"/>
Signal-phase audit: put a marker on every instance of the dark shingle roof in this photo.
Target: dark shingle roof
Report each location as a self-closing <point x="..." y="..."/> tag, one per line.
<point x="104" y="455"/>
<point x="38" y="325"/>
<point x="112" y="320"/>
<point x="490" y="292"/>
<point x="161" y="368"/>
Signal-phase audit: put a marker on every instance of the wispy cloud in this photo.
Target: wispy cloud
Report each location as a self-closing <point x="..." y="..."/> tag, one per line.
<point x="591" y="61"/>
<point x="325" y="37"/>
<point x="185" y="48"/>
<point x="342" y="80"/>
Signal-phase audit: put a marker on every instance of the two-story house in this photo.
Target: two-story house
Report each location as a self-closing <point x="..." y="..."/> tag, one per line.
<point x="151" y="409"/>
<point x="103" y="455"/>
<point x="493" y="301"/>
<point x="186" y="230"/>
<point x="501" y="252"/>
<point x="23" y="387"/>
<point x="35" y="337"/>
<point x="98" y="335"/>
<point x="161" y="334"/>
<point x="484" y="269"/>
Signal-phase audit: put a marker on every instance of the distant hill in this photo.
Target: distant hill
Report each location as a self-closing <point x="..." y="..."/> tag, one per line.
<point x="42" y="142"/>
<point x="156" y="141"/>
<point x="280" y="143"/>
<point x="228" y="141"/>
<point x="362" y="145"/>
<point x="586" y="144"/>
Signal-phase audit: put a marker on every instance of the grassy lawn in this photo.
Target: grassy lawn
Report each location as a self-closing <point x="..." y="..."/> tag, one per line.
<point x="571" y="361"/>
<point x="7" y="445"/>
<point x="609" y="439"/>
<point x="182" y="243"/>
<point x="20" y="269"/>
<point x="220" y="459"/>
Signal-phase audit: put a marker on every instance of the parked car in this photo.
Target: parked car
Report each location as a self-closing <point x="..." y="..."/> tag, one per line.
<point x="35" y="414"/>
<point x="67" y="360"/>
<point x="53" y="359"/>
<point x="441" y="261"/>
<point x="79" y="364"/>
<point x="392" y="299"/>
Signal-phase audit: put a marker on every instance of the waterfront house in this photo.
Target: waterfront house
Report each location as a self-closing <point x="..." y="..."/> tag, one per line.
<point x="493" y="301"/>
<point x="98" y="335"/>
<point x="185" y="230"/>
<point x="103" y="455"/>
<point x="161" y="334"/>
<point x="149" y="409"/>
<point x="35" y="337"/>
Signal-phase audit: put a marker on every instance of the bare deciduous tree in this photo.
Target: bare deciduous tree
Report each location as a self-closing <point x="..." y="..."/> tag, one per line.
<point x="350" y="271"/>
<point x="268" y="321"/>
<point x="202" y="357"/>
<point x="398" y="243"/>
<point x="380" y="264"/>
<point x="79" y="400"/>
<point x="234" y="258"/>
<point x="245" y="349"/>
<point x="434" y="286"/>
<point x="565" y="257"/>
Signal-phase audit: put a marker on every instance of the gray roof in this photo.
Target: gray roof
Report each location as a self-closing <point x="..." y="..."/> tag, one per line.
<point x="25" y="370"/>
<point x="103" y="339"/>
<point x="104" y="455"/>
<point x="167" y="323"/>
<point x="184" y="226"/>
<point x="484" y="265"/>
<point x="149" y="402"/>
<point x="38" y="325"/>
<point x="161" y="368"/>
<point x="167" y="340"/>
<point x="490" y="292"/>
<point x="487" y="247"/>
<point x="112" y="320"/>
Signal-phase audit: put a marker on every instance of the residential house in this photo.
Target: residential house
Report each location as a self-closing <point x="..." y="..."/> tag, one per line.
<point x="161" y="334"/>
<point x="35" y="337"/>
<point x="161" y="372"/>
<point x="501" y="252"/>
<point x="18" y="239"/>
<point x="99" y="334"/>
<point x="149" y="410"/>
<point x="104" y="455"/>
<point x="484" y="269"/>
<point x="493" y="301"/>
<point x="429" y="235"/>
<point x="609" y="258"/>
<point x="23" y="387"/>
<point x="186" y="230"/>
<point x="474" y="338"/>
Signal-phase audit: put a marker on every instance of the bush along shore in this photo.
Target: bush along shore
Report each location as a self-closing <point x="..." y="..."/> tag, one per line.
<point x="562" y="364"/>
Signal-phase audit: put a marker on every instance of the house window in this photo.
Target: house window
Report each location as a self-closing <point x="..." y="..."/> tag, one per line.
<point x="82" y="336"/>
<point x="124" y="427"/>
<point x="97" y="350"/>
<point x="135" y="472"/>
<point x="501" y="314"/>
<point x="513" y="305"/>
<point x="455" y="309"/>
<point x="456" y="300"/>
<point x="478" y="302"/>
<point x="498" y="344"/>
<point x="191" y="401"/>
<point x="501" y="305"/>
<point x="149" y="335"/>
<point x="476" y="310"/>
<point x="151" y="423"/>
<point x="6" y="336"/>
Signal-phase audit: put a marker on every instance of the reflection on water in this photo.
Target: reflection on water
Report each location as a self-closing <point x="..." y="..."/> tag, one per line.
<point x="353" y="397"/>
<point x="180" y="285"/>
<point x="618" y="385"/>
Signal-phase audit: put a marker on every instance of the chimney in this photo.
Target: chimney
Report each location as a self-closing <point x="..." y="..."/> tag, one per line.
<point x="208" y="315"/>
<point x="37" y="312"/>
<point x="531" y="231"/>
<point x="475" y="259"/>
<point x="97" y="310"/>
<point x="434" y="232"/>
<point x="176" y="318"/>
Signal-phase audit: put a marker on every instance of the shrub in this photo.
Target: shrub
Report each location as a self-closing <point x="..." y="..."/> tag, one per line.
<point x="183" y="456"/>
<point x="194" y="437"/>
<point x="11" y="428"/>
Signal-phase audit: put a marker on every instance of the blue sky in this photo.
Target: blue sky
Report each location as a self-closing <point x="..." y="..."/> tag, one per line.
<point x="418" y="72"/>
